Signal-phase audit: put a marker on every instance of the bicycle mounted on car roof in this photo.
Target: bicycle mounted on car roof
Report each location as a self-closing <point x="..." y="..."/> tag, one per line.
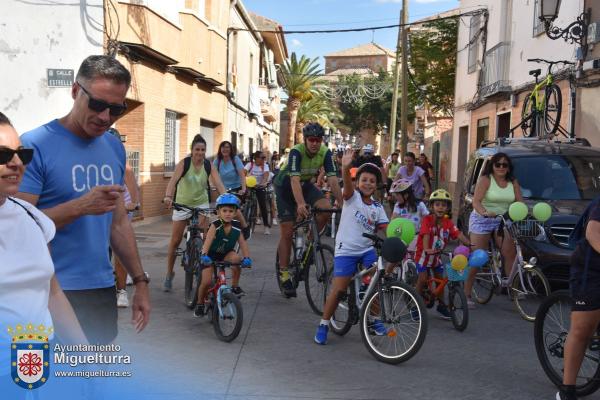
<point x="542" y="108"/>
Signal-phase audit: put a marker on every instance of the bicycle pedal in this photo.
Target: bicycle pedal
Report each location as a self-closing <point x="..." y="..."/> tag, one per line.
<point x="178" y="252"/>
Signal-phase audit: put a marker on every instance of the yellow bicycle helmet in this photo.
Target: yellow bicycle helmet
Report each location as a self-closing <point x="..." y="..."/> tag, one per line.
<point x="440" y="195"/>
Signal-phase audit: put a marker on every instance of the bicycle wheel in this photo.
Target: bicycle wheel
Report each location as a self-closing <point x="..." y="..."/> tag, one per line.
<point x="193" y="272"/>
<point x="228" y="323"/>
<point x="316" y="278"/>
<point x="552" y="109"/>
<point x="395" y="332"/>
<point x="529" y="117"/>
<point x="529" y="292"/>
<point x="484" y="286"/>
<point x="552" y="323"/>
<point x="457" y="304"/>
<point x="346" y="313"/>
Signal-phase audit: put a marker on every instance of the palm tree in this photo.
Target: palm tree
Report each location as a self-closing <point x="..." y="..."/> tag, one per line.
<point x="318" y="109"/>
<point x="299" y="77"/>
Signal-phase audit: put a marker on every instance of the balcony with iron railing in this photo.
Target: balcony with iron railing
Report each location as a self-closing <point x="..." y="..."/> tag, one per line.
<point x="494" y="75"/>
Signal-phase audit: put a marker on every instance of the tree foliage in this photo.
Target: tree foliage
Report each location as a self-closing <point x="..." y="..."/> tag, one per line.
<point x="300" y="79"/>
<point x="433" y="63"/>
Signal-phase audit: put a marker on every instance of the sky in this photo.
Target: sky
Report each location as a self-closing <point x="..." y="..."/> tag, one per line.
<point x="341" y="14"/>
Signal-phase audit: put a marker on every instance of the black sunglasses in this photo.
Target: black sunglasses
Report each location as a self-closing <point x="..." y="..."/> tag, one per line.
<point x="26" y="155"/>
<point x="100" y="105"/>
<point x="501" y="165"/>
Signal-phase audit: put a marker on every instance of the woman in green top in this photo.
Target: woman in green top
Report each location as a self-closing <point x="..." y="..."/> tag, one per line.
<point x="189" y="185"/>
<point x="495" y="191"/>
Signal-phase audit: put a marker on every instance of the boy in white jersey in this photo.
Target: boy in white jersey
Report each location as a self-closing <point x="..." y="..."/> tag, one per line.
<point x="360" y="214"/>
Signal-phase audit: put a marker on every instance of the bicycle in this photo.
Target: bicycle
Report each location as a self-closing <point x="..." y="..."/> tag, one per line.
<point x="190" y="255"/>
<point x="224" y="307"/>
<point x="250" y="209"/>
<point x="311" y="262"/>
<point x="552" y="323"/>
<point x="457" y="300"/>
<point x="526" y="281"/>
<point x="542" y="108"/>
<point x="396" y="306"/>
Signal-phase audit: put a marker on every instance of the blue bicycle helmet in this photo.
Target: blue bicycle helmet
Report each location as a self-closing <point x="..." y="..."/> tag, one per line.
<point x="228" y="199"/>
<point x="313" y="129"/>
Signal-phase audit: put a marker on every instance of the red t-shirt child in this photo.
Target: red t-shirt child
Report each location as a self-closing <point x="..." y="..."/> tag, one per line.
<point x="438" y="238"/>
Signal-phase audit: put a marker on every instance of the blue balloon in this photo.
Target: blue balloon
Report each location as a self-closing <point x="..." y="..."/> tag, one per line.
<point x="478" y="258"/>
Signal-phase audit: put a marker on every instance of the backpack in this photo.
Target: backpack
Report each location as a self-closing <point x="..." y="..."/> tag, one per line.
<point x="187" y="162"/>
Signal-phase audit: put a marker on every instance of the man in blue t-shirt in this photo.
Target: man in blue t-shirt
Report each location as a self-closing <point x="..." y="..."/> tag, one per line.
<point x="76" y="179"/>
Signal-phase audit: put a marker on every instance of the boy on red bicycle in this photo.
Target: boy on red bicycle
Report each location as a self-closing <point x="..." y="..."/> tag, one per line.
<point x="436" y="230"/>
<point x="222" y="237"/>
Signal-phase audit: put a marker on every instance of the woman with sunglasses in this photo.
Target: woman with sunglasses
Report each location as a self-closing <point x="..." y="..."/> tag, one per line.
<point x="495" y="191"/>
<point x="29" y="290"/>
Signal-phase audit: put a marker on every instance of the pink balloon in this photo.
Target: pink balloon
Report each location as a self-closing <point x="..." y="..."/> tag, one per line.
<point x="464" y="250"/>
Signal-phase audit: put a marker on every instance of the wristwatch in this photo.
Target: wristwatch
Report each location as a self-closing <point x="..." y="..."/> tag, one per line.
<point x="141" y="278"/>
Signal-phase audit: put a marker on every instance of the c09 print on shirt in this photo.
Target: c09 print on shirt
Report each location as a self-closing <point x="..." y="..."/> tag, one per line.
<point x="86" y="177"/>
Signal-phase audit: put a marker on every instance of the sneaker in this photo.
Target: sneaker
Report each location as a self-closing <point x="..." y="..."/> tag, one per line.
<point x="246" y="232"/>
<point x="443" y="310"/>
<point x="122" y="300"/>
<point x="275" y="223"/>
<point x="199" y="311"/>
<point x="288" y="288"/>
<point x="168" y="285"/>
<point x="267" y="230"/>
<point x="378" y="328"/>
<point x="129" y="280"/>
<point x="414" y="314"/>
<point x="258" y="221"/>
<point x="563" y="395"/>
<point x="470" y="303"/>
<point x="238" y="291"/>
<point x="321" y="335"/>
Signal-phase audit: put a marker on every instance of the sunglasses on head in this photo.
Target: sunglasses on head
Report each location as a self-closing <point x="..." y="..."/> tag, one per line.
<point x="100" y="105"/>
<point x="501" y="165"/>
<point x="24" y="154"/>
<point x="314" y="139"/>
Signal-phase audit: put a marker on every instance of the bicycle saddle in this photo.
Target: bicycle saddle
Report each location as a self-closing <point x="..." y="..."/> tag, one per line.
<point x="535" y="72"/>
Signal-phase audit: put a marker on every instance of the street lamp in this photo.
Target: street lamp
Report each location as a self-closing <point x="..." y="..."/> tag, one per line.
<point x="574" y="32"/>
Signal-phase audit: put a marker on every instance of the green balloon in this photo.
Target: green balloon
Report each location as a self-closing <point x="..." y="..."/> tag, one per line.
<point x="518" y="211"/>
<point x="542" y="211"/>
<point x="401" y="228"/>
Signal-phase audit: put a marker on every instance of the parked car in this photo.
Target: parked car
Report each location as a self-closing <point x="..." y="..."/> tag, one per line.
<point x="566" y="175"/>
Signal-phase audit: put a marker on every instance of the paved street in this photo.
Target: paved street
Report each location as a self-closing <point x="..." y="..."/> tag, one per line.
<point x="275" y="358"/>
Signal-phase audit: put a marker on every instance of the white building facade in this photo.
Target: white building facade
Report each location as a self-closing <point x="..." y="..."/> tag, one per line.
<point x="38" y="69"/>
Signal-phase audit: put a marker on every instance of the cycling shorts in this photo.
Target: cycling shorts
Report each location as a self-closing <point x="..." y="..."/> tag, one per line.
<point x="345" y="266"/>
<point x="217" y="257"/>
<point x="286" y="204"/>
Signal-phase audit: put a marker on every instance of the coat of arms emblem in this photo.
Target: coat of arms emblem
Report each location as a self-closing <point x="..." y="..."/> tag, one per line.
<point x="30" y="355"/>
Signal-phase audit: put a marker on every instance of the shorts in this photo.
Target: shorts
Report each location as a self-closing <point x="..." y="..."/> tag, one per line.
<point x="184" y="215"/>
<point x="585" y="294"/>
<point x="481" y="225"/>
<point x="286" y="204"/>
<point x="96" y="310"/>
<point x="217" y="257"/>
<point x="437" y="270"/>
<point x="345" y="266"/>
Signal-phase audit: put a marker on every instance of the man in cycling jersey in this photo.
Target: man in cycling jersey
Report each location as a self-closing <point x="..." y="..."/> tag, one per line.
<point x="295" y="190"/>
